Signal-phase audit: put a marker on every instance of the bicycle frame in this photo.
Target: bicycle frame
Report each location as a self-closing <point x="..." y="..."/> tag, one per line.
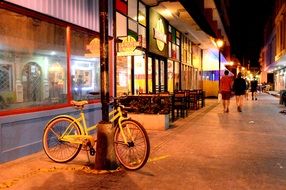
<point x="81" y="122"/>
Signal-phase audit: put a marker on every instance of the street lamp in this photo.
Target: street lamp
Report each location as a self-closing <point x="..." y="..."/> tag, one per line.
<point x="219" y="44"/>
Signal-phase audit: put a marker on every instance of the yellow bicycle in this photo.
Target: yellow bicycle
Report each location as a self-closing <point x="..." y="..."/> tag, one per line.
<point x="64" y="136"/>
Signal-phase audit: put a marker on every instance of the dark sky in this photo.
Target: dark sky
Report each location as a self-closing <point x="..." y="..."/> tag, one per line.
<point x="247" y="20"/>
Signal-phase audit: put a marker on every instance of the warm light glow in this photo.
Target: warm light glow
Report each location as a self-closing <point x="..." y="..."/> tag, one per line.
<point x="219" y="43"/>
<point x="167" y="13"/>
<point x="243" y="68"/>
<point x="230" y="63"/>
<point x="141" y="18"/>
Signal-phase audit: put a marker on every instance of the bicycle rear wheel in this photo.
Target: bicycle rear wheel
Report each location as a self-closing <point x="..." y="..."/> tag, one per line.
<point x="56" y="149"/>
<point x="135" y="153"/>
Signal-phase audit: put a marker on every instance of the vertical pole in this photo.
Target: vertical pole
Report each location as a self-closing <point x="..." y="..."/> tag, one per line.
<point x="103" y="25"/>
<point x="105" y="156"/>
<point x="219" y="69"/>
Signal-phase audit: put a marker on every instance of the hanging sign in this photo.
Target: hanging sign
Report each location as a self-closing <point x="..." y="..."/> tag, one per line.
<point x="128" y="46"/>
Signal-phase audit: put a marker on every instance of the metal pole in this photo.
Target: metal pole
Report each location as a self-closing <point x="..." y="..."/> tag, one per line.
<point x="103" y="25"/>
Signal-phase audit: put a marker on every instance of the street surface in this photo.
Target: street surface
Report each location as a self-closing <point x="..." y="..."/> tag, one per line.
<point x="208" y="150"/>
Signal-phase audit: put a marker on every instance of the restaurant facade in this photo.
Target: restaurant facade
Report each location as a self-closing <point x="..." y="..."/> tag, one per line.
<point x="49" y="55"/>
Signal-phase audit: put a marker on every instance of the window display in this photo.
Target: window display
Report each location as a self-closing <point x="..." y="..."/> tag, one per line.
<point x="85" y="67"/>
<point x="33" y="62"/>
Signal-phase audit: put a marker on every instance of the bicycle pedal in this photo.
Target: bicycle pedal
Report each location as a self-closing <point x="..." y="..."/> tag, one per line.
<point x="92" y="151"/>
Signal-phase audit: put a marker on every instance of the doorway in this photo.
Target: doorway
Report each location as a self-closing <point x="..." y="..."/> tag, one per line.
<point x="157" y="74"/>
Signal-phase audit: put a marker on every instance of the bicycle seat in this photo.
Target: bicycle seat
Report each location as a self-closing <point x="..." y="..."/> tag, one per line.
<point x="79" y="103"/>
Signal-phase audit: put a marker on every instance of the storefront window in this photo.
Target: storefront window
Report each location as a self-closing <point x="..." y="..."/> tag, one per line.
<point x="157" y="71"/>
<point x="170" y="76"/>
<point x="150" y="83"/>
<point x="142" y="32"/>
<point x="132" y="9"/>
<point x="189" y="79"/>
<point x="139" y="74"/>
<point x="184" y="77"/>
<point x="142" y="14"/>
<point x="132" y="25"/>
<point x="195" y="78"/>
<point x="85" y="67"/>
<point x="177" y="75"/>
<point x="123" y="75"/>
<point x="162" y="75"/>
<point x="121" y="25"/>
<point x="32" y="62"/>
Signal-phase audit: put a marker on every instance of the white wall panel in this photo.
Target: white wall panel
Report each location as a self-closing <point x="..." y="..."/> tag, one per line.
<point x="84" y="13"/>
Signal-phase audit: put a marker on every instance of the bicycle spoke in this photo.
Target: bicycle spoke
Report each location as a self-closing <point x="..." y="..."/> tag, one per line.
<point x="134" y="154"/>
<point x="55" y="148"/>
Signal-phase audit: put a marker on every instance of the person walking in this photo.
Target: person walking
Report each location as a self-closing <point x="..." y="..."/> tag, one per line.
<point x="225" y="90"/>
<point x="253" y="88"/>
<point x="239" y="88"/>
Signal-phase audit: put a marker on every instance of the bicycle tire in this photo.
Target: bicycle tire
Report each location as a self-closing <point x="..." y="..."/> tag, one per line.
<point x="135" y="154"/>
<point x="57" y="150"/>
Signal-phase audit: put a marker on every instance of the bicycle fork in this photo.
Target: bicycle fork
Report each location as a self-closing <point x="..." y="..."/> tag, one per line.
<point x="129" y="137"/>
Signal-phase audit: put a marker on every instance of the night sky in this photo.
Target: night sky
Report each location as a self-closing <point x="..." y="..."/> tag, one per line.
<point x="247" y="20"/>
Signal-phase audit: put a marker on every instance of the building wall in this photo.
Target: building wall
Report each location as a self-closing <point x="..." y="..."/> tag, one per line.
<point x="84" y="13"/>
<point x="273" y="54"/>
<point x="21" y="134"/>
<point x="21" y="128"/>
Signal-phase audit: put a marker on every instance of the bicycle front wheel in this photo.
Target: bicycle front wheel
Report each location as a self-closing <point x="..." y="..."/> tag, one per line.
<point x="135" y="153"/>
<point x="56" y="149"/>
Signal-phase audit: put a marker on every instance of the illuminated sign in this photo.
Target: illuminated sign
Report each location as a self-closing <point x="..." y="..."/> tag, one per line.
<point x="159" y="35"/>
<point x="128" y="46"/>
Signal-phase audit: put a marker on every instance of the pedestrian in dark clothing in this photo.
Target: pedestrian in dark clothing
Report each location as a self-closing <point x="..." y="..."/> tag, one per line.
<point x="253" y="88"/>
<point x="239" y="88"/>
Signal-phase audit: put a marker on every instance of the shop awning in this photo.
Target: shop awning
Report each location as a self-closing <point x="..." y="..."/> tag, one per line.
<point x="197" y="13"/>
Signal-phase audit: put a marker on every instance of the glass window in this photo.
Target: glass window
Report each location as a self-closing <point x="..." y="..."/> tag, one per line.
<point x="150" y="83"/>
<point x="184" y="77"/>
<point x="121" y="25"/>
<point x="162" y="74"/>
<point x="189" y="77"/>
<point x="170" y="76"/>
<point x="170" y="28"/>
<point x="177" y="75"/>
<point x="6" y="79"/>
<point x="139" y="74"/>
<point x="142" y="14"/>
<point x="132" y="25"/>
<point x="32" y="62"/>
<point x="170" y="49"/>
<point x="132" y="9"/>
<point x="157" y="71"/>
<point x="85" y="67"/>
<point x="142" y="32"/>
<point x="123" y="75"/>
